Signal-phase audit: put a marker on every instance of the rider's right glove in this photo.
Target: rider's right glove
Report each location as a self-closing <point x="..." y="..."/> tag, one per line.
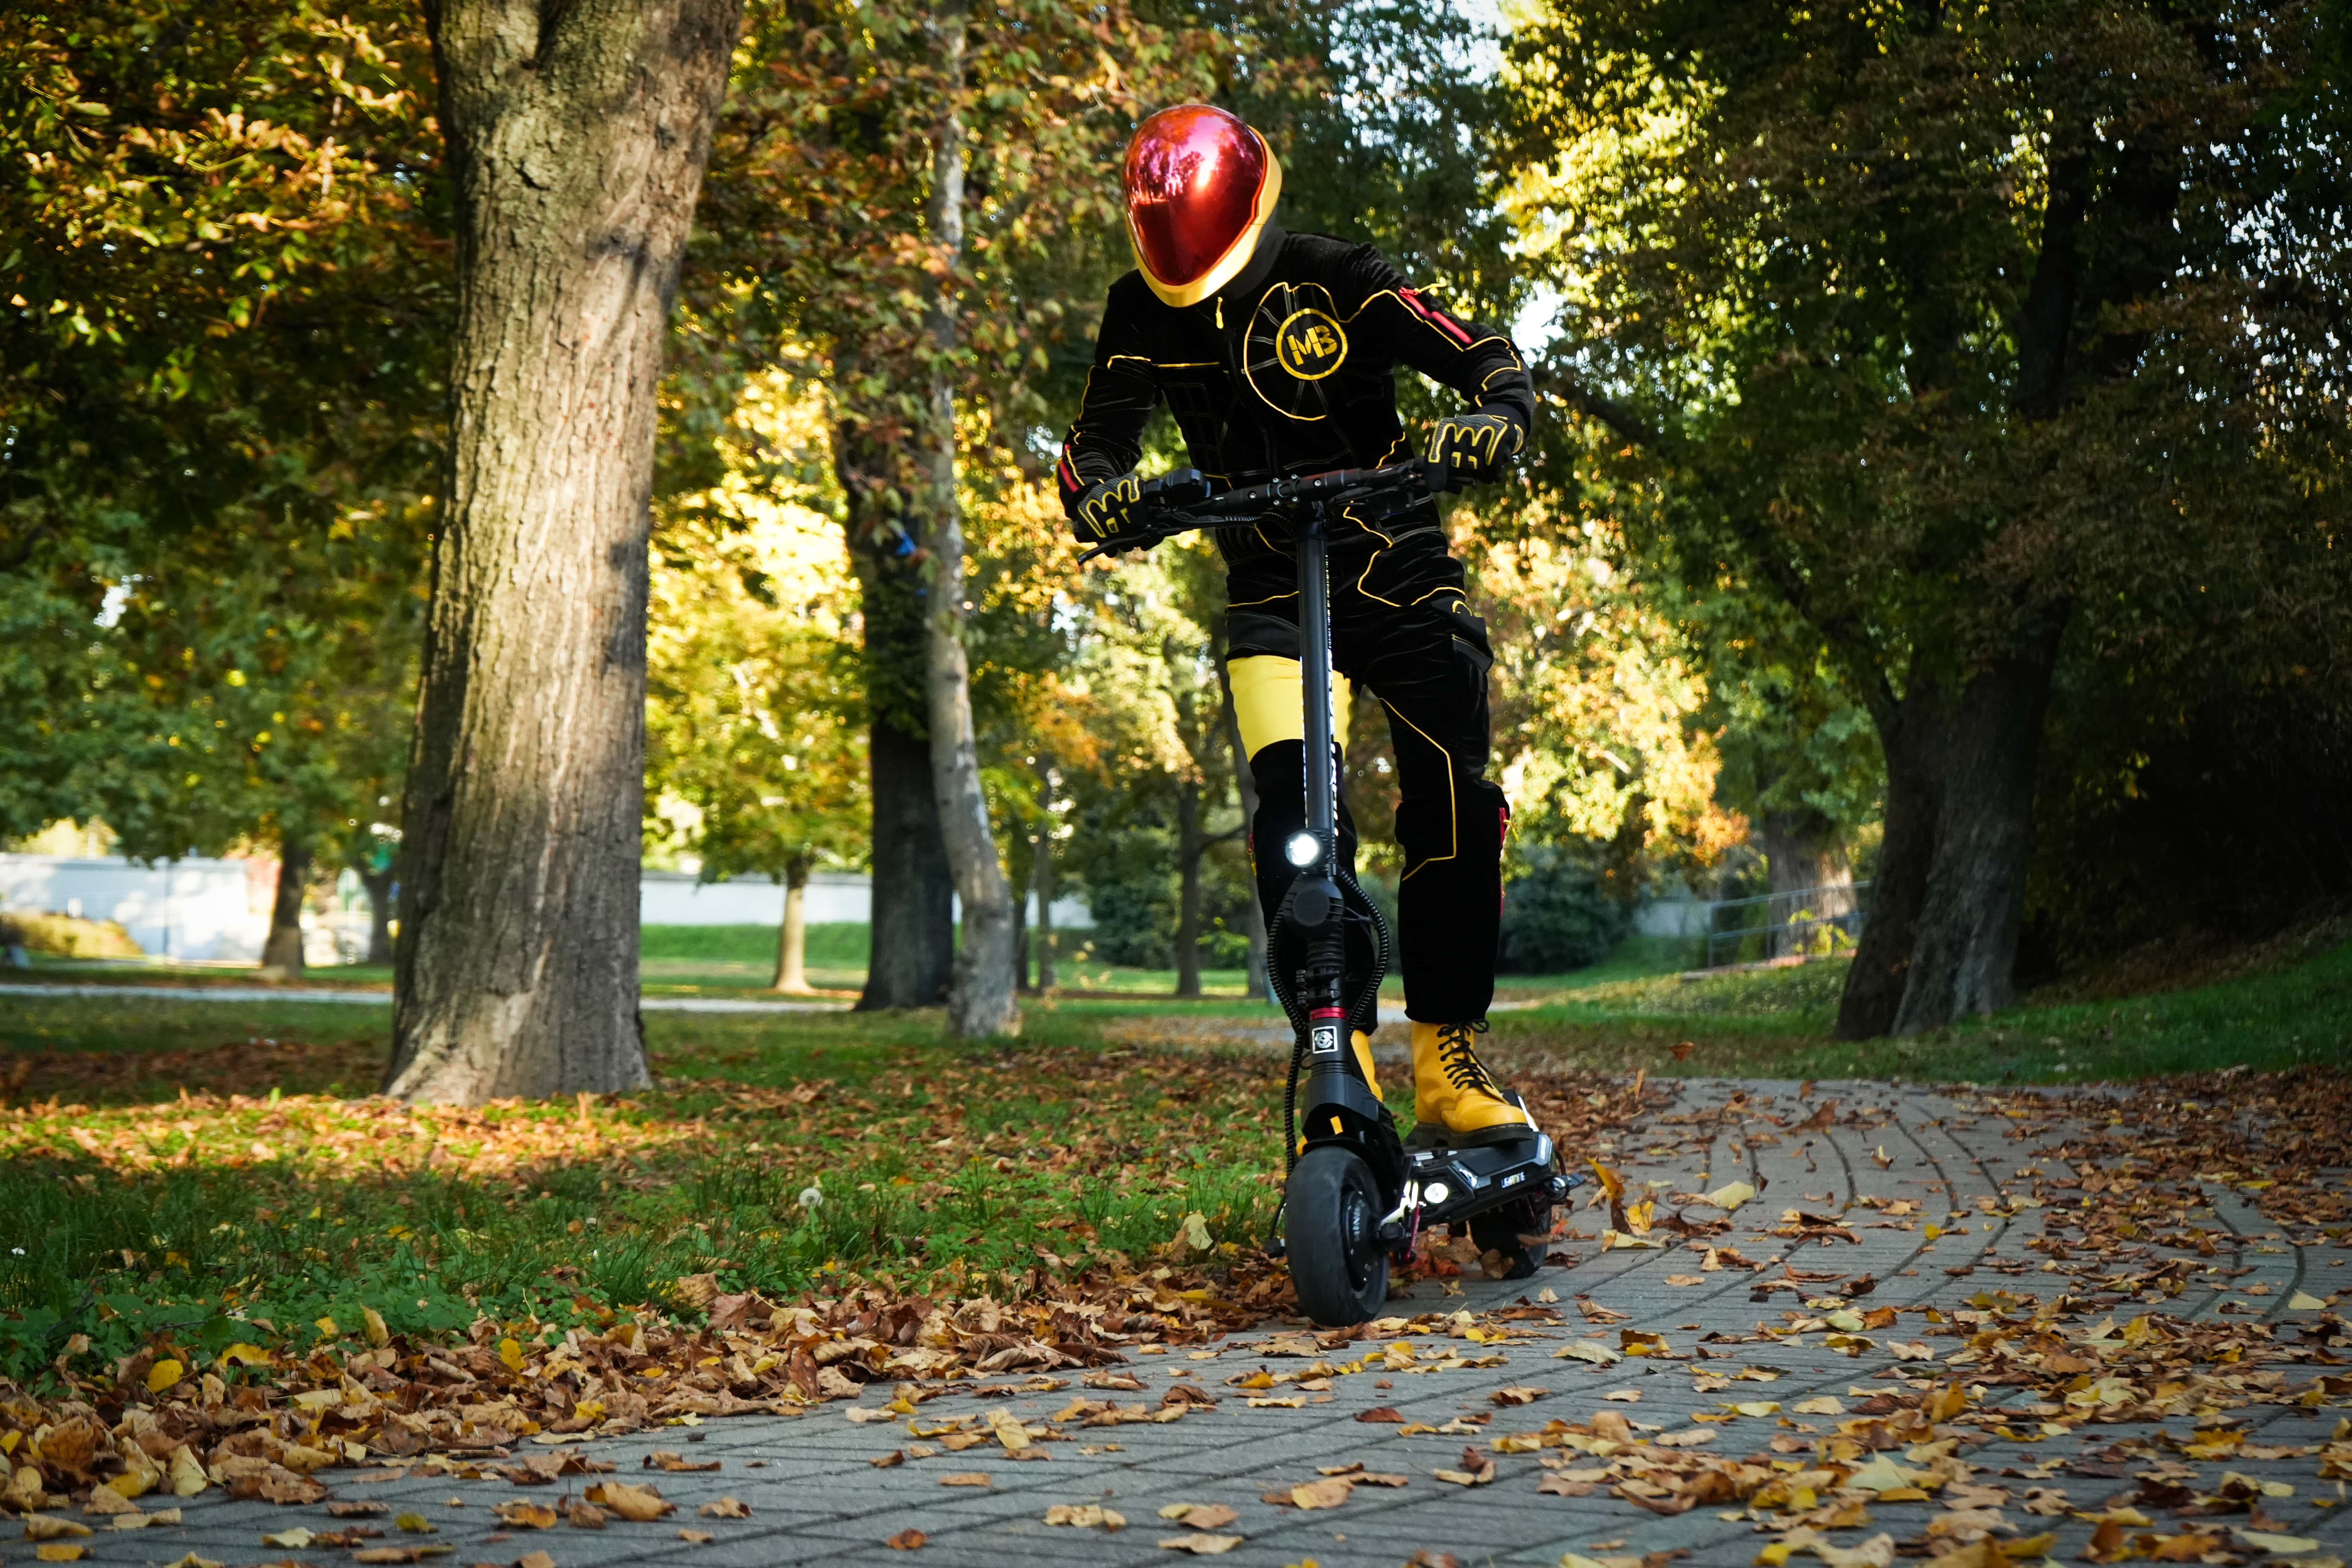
<point x="1106" y="510"/>
<point x="1473" y="447"/>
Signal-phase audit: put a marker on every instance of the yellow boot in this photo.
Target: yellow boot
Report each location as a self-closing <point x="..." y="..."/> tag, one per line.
<point x="1452" y="1090"/>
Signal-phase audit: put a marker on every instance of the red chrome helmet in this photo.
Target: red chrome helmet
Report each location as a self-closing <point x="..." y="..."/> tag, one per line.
<point x="1200" y="185"/>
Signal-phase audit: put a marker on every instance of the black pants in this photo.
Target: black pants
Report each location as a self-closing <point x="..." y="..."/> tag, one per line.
<point x="1402" y="628"/>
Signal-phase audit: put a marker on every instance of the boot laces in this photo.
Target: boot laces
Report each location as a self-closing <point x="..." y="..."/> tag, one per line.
<point x="1459" y="1061"/>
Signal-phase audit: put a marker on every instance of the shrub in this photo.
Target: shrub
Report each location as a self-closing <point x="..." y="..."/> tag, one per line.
<point x="1556" y="918"/>
<point x="64" y="936"/>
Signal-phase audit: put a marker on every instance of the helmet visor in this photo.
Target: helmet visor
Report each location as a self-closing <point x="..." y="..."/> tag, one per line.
<point x="1195" y="173"/>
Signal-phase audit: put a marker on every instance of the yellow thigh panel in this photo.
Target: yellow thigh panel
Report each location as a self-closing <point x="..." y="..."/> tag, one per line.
<point x="1270" y="702"/>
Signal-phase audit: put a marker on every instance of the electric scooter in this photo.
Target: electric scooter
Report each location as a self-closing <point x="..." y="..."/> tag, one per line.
<point x="1358" y="1193"/>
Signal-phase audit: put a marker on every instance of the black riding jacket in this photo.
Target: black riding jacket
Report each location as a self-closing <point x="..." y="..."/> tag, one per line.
<point x="1288" y="369"/>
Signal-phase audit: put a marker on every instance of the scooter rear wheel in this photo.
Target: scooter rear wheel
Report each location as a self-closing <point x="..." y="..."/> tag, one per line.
<point x="1514" y="1238"/>
<point x="1331" y="1235"/>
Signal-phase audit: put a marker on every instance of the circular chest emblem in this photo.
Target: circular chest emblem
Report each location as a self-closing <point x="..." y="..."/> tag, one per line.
<point x="1310" y="344"/>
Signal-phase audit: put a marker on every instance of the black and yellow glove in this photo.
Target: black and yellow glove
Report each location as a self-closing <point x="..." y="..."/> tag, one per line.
<point x="1106" y="510"/>
<point x="1474" y="448"/>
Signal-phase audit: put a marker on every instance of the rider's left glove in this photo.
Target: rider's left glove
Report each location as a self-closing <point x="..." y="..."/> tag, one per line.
<point x="1474" y="448"/>
<point x="1106" y="510"/>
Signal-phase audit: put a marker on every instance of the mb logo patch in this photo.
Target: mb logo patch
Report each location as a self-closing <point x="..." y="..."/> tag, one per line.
<point x="1296" y="344"/>
<point x="1310" y="344"/>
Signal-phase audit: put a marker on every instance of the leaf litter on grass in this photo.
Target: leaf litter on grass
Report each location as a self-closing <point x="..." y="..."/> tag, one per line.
<point x="364" y="1386"/>
<point x="440" y="1405"/>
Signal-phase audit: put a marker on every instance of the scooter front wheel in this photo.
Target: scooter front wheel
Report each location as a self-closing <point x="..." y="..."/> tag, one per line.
<point x="1331" y="1234"/>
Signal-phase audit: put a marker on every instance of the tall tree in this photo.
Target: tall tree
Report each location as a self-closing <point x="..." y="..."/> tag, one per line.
<point x="756" y="760"/>
<point x="577" y="137"/>
<point x="228" y="283"/>
<point x="1973" y="336"/>
<point x="836" y="214"/>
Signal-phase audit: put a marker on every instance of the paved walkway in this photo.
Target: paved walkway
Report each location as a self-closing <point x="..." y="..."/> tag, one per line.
<point x="814" y="1492"/>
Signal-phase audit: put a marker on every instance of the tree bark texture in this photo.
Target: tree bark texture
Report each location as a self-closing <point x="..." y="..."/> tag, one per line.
<point x="577" y="135"/>
<point x="1808" y="876"/>
<point x="791" y="937"/>
<point x="282" y="948"/>
<point x="913" y="927"/>
<point x="913" y="917"/>
<point x="980" y="996"/>
<point x="1947" y="903"/>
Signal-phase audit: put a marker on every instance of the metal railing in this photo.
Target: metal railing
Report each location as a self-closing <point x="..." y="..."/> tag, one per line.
<point x="1792" y="921"/>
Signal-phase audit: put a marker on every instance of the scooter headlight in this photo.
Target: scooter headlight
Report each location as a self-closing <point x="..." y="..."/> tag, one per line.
<point x="1435" y="1192"/>
<point x="1302" y="849"/>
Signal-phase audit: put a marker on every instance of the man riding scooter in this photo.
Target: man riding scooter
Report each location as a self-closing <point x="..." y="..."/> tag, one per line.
<point x="1276" y="354"/>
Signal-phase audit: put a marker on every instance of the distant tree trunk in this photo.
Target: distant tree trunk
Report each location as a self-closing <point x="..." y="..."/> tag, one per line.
<point x="1020" y="932"/>
<point x="282" y="948"/>
<point x="1245" y="785"/>
<point x="1809" y="878"/>
<point x="1191" y="843"/>
<point x="913" y="918"/>
<point x="1041" y="879"/>
<point x="1948" y="902"/>
<point x="792" y="938"/>
<point x="979" y="999"/>
<point x="577" y="135"/>
<point x="379" y="885"/>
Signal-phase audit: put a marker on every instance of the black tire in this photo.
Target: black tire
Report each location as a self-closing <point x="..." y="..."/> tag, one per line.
<point x="1500" y="1236"/>
<point x="1331" y="1234"/>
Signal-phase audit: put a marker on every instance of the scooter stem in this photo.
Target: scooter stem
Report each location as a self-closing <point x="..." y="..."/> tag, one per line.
<point x="1315" y="679"/>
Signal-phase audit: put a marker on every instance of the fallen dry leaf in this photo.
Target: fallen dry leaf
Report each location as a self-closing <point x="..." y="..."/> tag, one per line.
<point x="59" y="1552"/>
<point x="640" y="1505"/>
<point x="908" y="1540"/>
<point x="1200" y="1543"/>
<point x="696" y="1537"/>
<point x="1200" y="1515"/>
<point x="528" y="1515"/>
<point x="725" y="1508"/>
<point x="966" y="1478"/>
<point x="1328" y="1493"/>
<point x="47" y="1526"/>
<point x="1085" y="1516"/>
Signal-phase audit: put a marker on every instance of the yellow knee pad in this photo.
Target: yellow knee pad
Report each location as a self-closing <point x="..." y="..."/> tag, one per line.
<point x="1270" y="704"/>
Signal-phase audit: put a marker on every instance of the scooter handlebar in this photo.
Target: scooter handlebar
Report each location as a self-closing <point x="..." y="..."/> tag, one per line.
<point x="1184" y="500"/>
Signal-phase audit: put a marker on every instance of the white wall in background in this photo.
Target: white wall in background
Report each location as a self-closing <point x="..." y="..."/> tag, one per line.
<point x="191" y="908"/>
<point x="677" y="898"/>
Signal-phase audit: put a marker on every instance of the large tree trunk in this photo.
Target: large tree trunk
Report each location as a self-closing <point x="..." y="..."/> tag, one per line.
<point x="1190" y="845"/>
<point x="1809" y="878"/>
<point x="577" y="135"/>
<point x="379" y="885"/>
<point x="281" y="950"/>
<point x="1245" y="785"/>
<point x="979" y="1000"/>
<point x="791" y="937"/>
<point x="1948" y="902"/>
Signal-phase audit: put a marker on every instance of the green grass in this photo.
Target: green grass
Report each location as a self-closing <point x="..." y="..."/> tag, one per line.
<point x="262" y="1195"/>
<point x="941" y="1167"/>
<point x="1776" y="1024"/>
